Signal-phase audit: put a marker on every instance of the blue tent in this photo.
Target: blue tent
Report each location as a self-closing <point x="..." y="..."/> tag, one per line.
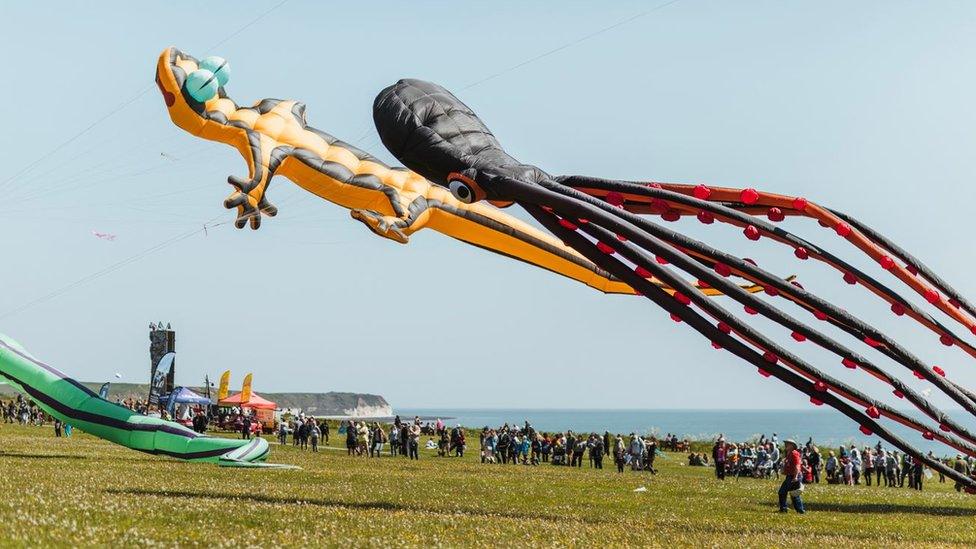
<point x="182" y="395"/>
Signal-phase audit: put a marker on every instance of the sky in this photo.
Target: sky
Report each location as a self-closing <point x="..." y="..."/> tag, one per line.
<point x="865" y="107"/>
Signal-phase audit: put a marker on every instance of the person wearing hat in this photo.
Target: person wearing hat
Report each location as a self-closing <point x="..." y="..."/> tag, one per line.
<point x="792" y="483"/>
<point x="960" y="466"/>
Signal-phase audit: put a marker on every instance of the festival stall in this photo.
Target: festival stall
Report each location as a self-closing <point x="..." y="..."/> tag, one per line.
<point x="262" y="409"/>
<point x="180" y="402"/>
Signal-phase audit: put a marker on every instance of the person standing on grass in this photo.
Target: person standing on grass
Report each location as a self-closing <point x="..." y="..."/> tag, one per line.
<point x="917" y="470"/>
<point x="891" y="469"/>
<point x="792" y="483"/>
<point x="414" y="444"/>
<point x="855" y="464"/>
<point x="488" y="442"/>
<point x="814" y="458"/>
<point x="606" y="442"/>
<point x="570" y="447"/>
<point x="57" y="427"/>
<point x="379" y="439"/>
<point x="282" y="433"/>
<point x="405" y="440"/>
<point x="718" y="457"/>
<point x="831" y="468"/>
<point x="394" y="440"/>
<point x="579" y="450"/>
<point x="246" y="428"/>
<point x="636" y="452"/>
<point x="880" y="462"/>
<point x="650" y="454"/>
<point x="868" y="465"/>
<point x="596" y="452"/>
<point x="619" y="453"/>
<point x="960" y="466"/>
<point x="313" y="434"/>
<point x="906" y="470"/>
<point x="350" y="439"/>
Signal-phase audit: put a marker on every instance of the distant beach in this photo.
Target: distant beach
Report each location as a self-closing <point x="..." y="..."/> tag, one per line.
<point x="827" y="427"/>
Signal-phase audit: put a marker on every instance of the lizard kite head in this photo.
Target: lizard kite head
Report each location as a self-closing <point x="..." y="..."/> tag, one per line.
<point x="190" y="87"/>
<point x="195" y="100"/>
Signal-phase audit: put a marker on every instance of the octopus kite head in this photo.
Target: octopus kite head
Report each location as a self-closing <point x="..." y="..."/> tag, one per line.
<point x="190" y="87"/>
<point x="436" y="135"/>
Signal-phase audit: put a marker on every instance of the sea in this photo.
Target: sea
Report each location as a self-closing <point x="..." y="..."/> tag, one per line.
<point x="827" y="428"/>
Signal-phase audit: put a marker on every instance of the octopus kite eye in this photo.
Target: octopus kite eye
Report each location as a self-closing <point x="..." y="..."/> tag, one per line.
<point x="462" y="191"/>
<point x="201" y="85"/>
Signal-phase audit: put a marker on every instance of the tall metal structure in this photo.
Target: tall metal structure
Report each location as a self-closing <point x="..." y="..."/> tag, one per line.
<point x="162" y="342"/>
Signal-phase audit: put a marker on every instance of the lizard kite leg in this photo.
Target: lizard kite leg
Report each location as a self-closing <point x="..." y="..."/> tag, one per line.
<point x="665" y="200"/>
<point x="681" y="260"/>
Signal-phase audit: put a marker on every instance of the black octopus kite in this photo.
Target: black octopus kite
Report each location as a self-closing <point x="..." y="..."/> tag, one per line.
<point x="436" y="135"/>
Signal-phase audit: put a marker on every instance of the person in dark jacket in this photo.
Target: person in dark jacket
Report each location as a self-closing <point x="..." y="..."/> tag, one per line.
<point x="813" y="457"/>
<point x="650" y="454"/>
<point x="246" y="428"/>
<point x="350" y="439"/>
<point x="596" y="452"/>
<point x="606" y="442"/>
<point x="570" y="448"/>
<point x="718" y="458"/>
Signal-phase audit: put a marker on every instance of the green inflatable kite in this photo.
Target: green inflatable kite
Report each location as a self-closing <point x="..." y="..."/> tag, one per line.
<point x="73" y="403"/>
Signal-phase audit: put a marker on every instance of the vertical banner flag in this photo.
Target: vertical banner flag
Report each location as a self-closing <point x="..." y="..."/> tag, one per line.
<point x="224" y="386"/>
<point x="246" y="389"/>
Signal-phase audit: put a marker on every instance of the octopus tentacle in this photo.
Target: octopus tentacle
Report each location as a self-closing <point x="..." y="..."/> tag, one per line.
<point x="657" y="246"/>
<point x="570" y="207"/>
<point x="663" y="199"/>
<point x="830" y="312"/>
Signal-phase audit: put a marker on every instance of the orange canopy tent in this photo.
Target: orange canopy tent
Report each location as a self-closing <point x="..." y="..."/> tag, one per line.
<point x="256" y="402"/>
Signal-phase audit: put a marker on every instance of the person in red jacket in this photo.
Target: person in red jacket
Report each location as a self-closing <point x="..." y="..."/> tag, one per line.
<point x="807" y="472"/>
<point x="793" y="473"/>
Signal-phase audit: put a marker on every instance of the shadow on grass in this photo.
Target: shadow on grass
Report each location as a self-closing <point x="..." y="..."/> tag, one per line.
<point x="42" y="456"/>
<point x="365" y="505"/>
<point x="886" y="508"/>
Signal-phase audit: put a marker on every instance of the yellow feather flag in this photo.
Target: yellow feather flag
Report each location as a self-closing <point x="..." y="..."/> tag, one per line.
<point x="224" y="389"/>
<point x="246" y="389"/>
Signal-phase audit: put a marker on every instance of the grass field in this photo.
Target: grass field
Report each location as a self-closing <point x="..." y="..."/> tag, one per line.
<point x="83" y="491"/>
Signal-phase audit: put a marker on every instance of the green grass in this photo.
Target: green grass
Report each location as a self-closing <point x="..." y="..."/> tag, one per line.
<point x="83" y="491"/>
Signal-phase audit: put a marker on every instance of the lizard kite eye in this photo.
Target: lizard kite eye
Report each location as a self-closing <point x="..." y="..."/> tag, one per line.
<point x="462" y="191"/>
<point x="218" y="66"/>
<point x="202" y="85"/>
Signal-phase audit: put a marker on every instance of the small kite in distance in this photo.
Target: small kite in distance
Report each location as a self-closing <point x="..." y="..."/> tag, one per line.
<point x="103" y="236"/>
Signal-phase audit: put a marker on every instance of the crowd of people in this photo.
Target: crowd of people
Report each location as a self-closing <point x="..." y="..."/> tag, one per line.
<point x="527" y="446"/>
<point x="848" y="465"/>
<point x="23" y="411"/>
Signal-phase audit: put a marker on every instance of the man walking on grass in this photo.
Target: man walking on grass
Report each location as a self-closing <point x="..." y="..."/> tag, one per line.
<point x="792" y="483"/>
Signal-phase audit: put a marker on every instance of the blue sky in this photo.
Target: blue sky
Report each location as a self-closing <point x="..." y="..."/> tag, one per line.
<point x="865" y="107"/>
